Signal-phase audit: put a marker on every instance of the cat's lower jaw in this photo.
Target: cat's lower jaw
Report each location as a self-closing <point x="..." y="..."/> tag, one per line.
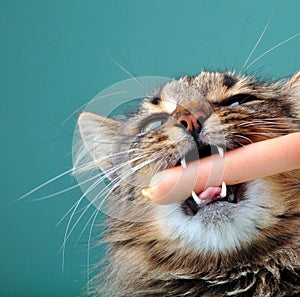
<point x="219" y="226"/>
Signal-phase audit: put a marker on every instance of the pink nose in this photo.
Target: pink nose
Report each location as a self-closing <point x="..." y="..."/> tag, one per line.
<point x="190" y="122"/>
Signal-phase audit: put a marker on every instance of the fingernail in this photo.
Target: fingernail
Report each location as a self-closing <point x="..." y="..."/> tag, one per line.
<point x="146" y="193"/>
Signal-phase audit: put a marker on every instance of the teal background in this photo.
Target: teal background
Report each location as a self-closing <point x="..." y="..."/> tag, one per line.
<point x="54" y="57"/>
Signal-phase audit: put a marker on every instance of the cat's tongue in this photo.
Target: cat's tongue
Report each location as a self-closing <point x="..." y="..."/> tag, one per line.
<point x="210" y="193"/>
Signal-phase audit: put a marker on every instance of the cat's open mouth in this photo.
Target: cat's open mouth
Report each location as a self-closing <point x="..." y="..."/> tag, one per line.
<point x="191" y="207"/>
<point x="224" y="194"/>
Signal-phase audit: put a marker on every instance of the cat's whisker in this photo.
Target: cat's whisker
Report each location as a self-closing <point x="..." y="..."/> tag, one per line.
<point x="264" y="126"/>
<point x="92" y="101"/>
<point x="95" y="214"/>
<point x="271" y="49"/>
<point x="114" y="169"/>
<point x="243" y="137"/>
<point x="69" y="230"/>
<point x="62" y="248"/>
<point x="91" y="165"/>
<point x="90" y="221"/>
<point x="93" y="186"/>
<point x="105" y="96"/>
<point x="128" y="141"/>
<point x="57" y="193"/>
<point x="239" y="143"/>
<point x="66" y="214"/>
<point x="122" y="177"/>
<point x="108" y="173"/>
<point x="270" y="124"/>
<point x="256" y="123"/>
<point x="267" y="135"/>
<point x="97" y="210"/>
<point x="272" y="120"/>
<point x="258" y="41"/>
<point x="75" y="206"/>
<point x="45" y="184"/>
<point x="129" y="73"/>
<point x="68" y="189"/>
<point x="76" y="167"/>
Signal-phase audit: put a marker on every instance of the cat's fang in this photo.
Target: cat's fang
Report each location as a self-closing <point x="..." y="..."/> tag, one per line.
<point x="220" y="151"/>
<point x="196" y="198"/>
<point x="223" y="193"/>
<point x="183" y="163"/>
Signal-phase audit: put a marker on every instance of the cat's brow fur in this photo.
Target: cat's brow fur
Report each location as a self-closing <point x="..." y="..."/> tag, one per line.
<point x="251" y="248"/>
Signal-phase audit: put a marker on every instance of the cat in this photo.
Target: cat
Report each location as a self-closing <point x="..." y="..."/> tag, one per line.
<point x="248" y="245"/>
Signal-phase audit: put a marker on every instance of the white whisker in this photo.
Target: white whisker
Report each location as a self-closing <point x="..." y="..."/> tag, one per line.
<point x="74" y="170"/>
<point x="127" y="72"/>
<point x="273" y="48"/>
<point x="69" y="230"/>
<point x="125" y="175"/>
<point x="87" y="223"/>
<point x="93" y="100"/>
<point x="96" y="162"/>
<point x="89" y="246"/>
<point x="243" y="137"/>
<point x="274" y="122"/>
<point x="59" y="193"/>
<point x="65" y="215"/>
<point x="75" y="206"/>
<point x="95" y="184"/>
<point x="258" y="41"/>
<point x="266" y="134"/>
<point x="275" y="129"/>
<point x="45" y="184"/>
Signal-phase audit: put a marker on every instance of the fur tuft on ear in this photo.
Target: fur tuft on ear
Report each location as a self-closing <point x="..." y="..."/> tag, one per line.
<point x="98" y="135"/>
<point x="294" y="82"/>
<point x="292" y="86"/>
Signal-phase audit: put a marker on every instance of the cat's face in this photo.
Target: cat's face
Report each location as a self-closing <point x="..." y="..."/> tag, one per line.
<point x="227" y="111"/>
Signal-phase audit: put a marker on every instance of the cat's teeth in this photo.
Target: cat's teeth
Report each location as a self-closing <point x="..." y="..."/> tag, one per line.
<point x="223" y="190"/>
<point x="220" y="151"/>
<point x="183" y="163"/>
<point x="196" y="198"/>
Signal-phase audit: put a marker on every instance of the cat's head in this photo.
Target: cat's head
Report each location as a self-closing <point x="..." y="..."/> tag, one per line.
<point x="227" y="111"/>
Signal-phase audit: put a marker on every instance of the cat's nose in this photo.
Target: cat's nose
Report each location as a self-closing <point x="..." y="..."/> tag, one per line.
<point x="192" y="122"/>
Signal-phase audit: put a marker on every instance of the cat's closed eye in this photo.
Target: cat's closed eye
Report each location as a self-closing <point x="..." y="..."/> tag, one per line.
<point x="154" y="122"/>
<point x="238" y="99"/>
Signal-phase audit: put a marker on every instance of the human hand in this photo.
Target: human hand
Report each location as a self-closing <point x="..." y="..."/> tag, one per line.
<point x="243" y="164"/>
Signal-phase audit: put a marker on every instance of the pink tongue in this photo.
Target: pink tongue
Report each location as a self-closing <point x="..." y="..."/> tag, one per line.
<point x="210" y="193"/>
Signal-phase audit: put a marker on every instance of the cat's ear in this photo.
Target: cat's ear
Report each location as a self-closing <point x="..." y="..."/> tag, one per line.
<point x="98" y="134"/>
